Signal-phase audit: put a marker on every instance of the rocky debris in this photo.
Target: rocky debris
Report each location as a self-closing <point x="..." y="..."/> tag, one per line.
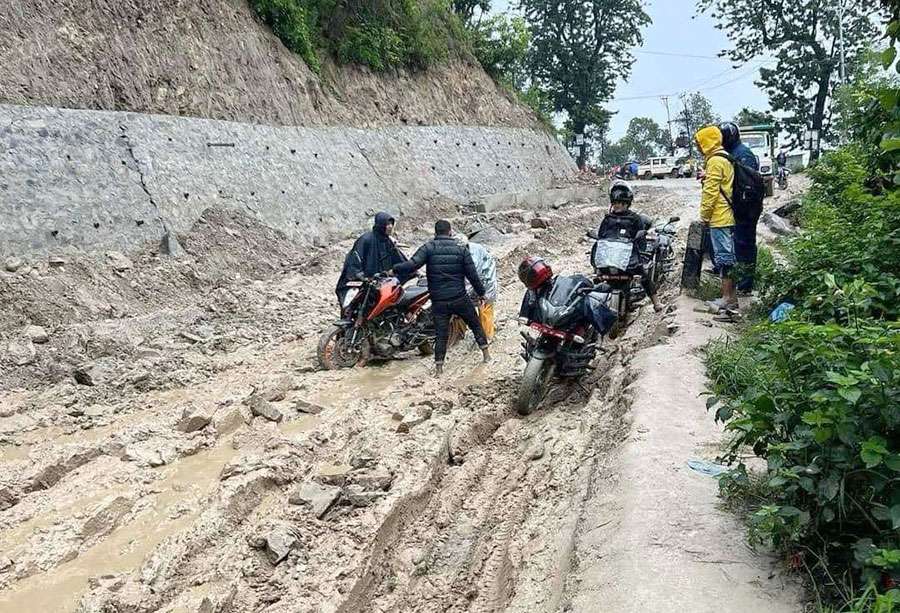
<point x="789" y="210"/>
<point x="418" y="415"/>
<point x="148" y="457"/>
<point x="318" y="497"/>
<point x="118" y="261"/>
<point x="170" y="245"/>
<point x="310" y="408"/>
<point x="193" y="419"/>
<point x="21" y="354"/>
<point x="279" y="543"/>
<point x="194" y="338"/>
<point x="358" y="496"/>
<point x="37" y="334"/>
<point x="778" y="225"/>
<point x="363" y="459"/>
<point x="8" y="498"/>
<point x="5" y="564"/>
<point x="56" y="260"/>
<point x="278" y="390"/>
<point x="535" y="451"/>
<point x="98" y="372"/>
<point x="374" y="480"/>
<point x="263" y="408"/>
<point x="335" y="474"/>
<point x="540" y="223"/>
<point x="229" y="418"/>
<point x="12" y="264"/>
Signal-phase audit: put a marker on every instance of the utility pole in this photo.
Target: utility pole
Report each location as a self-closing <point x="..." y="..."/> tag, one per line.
<point x="687" y="124"/>
<point x="665" y="100"/>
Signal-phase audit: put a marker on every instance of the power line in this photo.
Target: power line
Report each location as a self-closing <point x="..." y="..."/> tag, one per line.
<point x="674" y="54"/>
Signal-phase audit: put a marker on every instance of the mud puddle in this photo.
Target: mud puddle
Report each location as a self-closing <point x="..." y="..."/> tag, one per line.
<point x="175" y="505"/>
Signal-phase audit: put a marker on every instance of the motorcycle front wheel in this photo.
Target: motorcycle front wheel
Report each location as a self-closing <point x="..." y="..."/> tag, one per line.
<point x="534" y="385"/>
<point x="334" y="350"/>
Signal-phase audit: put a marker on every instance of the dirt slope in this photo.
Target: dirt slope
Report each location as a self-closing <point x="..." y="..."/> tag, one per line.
<point x="213" y="59"/>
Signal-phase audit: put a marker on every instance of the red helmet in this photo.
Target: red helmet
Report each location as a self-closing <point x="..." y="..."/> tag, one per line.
<point x="534" y="272"/>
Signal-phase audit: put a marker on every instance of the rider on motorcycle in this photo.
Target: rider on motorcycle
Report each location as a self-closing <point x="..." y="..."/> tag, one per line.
<point x="621" y="218"/>
<point x="372" y="253"/>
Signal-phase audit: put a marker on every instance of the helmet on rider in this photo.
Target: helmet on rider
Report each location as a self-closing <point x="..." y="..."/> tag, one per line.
<point x="621" y="192"/>
<point x="731" y="135"/>
<point x="534" y="272"/>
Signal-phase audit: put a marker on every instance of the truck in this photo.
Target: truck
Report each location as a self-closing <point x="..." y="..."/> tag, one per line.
<point x="761" y="140"/>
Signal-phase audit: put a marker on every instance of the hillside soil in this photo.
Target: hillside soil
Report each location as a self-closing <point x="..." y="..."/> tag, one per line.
<point x="220" y="62"/>
<point x="167" y="444"/>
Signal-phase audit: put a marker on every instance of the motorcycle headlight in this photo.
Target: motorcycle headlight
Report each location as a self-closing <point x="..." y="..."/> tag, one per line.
<point x="765" y="169"/>
<point x="349" y="296"/>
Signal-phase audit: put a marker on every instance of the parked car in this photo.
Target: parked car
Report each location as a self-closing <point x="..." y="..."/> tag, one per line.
<point x="658" y="168"/>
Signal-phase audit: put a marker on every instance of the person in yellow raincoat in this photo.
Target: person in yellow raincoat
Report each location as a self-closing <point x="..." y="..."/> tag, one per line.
<point x="715" y="211"/>
<point x="486" y="266"/>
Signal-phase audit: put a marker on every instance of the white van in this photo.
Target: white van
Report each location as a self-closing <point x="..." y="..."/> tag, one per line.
<point x="658" y="168"/>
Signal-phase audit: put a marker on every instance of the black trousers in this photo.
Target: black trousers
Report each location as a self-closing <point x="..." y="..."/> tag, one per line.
<point x="745" y="252"/>
<point x="443" y="311"/>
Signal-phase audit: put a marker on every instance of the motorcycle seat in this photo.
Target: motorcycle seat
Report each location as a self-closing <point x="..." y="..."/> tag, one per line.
<point x="410" y="294"/>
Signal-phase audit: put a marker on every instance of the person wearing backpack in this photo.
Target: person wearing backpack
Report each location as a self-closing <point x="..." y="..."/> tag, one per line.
<point x="745" y="224"/>
<point x="716" y="213"/>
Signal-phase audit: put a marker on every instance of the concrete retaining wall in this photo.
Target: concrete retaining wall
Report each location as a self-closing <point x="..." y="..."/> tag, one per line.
<point x="98" y="180"/>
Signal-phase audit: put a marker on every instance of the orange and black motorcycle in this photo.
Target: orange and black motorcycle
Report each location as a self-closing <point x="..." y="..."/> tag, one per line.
<point x="380" y="317"/>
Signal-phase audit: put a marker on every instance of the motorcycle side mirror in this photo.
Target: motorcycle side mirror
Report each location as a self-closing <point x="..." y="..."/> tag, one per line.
<point x="674" y="218"/>
<point x="640" y="234"/>
<point x="592" y="234"/>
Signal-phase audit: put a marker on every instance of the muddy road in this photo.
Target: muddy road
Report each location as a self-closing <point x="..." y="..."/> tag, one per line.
<point x="136" y="477"/>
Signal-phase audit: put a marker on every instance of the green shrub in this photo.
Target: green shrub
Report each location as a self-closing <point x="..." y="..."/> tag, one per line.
<point x="293" y="24"/>
<point x="819" y="402"/>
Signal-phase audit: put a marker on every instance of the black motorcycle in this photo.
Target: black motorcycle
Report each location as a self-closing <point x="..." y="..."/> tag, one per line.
<point x="563" y="323"/>
<point x="658" y="250"/>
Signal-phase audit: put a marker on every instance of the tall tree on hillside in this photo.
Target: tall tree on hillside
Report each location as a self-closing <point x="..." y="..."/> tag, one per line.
<point x="644" y="138"/>
<point x="803" y="37"/>
<point x="696" y="112"/>
<point x="467" y="9"/>
<point x="580" y="48"/>
<point x="751" y="117"/>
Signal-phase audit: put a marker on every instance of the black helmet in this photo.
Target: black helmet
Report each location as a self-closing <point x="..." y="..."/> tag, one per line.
<point x="731" y="135"/>
<point x="621" y="192"/>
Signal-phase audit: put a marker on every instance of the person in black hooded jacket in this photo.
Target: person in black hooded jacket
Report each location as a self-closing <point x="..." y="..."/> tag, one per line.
<point x="448" y="265"/>
<point x="373" y="252"/>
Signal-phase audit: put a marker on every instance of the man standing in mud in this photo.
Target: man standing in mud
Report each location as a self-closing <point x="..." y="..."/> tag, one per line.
<point x="372" y="253"/>
<point x="448" y="266"/>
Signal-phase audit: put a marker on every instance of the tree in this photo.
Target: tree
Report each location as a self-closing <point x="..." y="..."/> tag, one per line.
<point x="696" y="112"/>
<point x="501" y="46"/>
<point x="466" y="9"/>
<point x="644" y="138"/>
<point x="803" y="38"/>
<point x="580" y="48"/>
<point x="751" y="117"/>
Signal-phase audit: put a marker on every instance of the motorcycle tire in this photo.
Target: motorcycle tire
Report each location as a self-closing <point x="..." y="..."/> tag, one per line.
<point x="534" y="385"/>
<point x="330" y="353"/>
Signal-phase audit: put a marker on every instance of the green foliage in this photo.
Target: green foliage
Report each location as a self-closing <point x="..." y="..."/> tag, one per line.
<point x="382" y="35"/>
<point x="579" y="51"/>
<point x="751" y="117"/>
<point x="644" y="138"/>
<point x="501" y="46"/>
<point x="802" y="39"/>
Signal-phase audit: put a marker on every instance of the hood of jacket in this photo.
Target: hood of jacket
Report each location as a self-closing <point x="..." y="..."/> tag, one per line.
<point x="709" y="140"/>
<point x="382" y="219"/>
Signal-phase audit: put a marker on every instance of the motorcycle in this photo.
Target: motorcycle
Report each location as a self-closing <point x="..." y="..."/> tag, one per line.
<point x="560" y="339"/>
<point x="782" y="177"/>
<point x="658" y="251"/>
<point x="380" y="317"/>
<point x="611" y="259"/>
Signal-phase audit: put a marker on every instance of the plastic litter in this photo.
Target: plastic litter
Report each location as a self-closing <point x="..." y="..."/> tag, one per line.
<point x="781" y="312"/>
<point x="709" y="469"/>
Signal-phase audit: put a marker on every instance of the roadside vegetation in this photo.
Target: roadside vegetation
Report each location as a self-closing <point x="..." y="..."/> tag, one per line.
<point x="817" y="396"/>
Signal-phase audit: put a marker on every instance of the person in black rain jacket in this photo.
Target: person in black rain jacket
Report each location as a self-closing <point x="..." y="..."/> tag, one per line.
<point x="373" y="252"/>
<point x="448" y="265"/>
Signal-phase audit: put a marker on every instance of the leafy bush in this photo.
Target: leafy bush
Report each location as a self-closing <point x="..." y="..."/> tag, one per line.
<point x="380" y="34"/>
<point x="819" y="402"/>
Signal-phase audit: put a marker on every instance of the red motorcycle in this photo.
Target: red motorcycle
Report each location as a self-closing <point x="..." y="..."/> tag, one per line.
<point x="379" y="317"/>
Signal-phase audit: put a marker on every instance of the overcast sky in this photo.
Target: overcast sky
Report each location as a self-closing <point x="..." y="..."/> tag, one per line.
<point x="676" y="29"/>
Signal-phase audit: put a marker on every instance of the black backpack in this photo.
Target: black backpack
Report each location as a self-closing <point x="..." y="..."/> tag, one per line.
<point x="747" y="193"/>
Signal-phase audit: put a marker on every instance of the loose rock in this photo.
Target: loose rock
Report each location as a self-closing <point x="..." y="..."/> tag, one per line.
<point x="310" y="408"/>
<point x="262" y="408"/>
<point x="420" y="415"/>
<point x="540" y="222"/>
<point x="357" y="496"/>
<point x="193" y="420"/>
<point x="21" y="354"/>
<point x="56" y="260"/>
<point x="171" y="246"/>
<point x="37" y="334"/>
<point x="317" y="496"/>
<point x="118" y="261"/>
<point x="778" y="225"/>
<point x="535" y="452"/>
<point x="279" y="543"/>
<point x="277" y="391"/>
<point x="370" y="481"/>
<point x="12" y="264"/>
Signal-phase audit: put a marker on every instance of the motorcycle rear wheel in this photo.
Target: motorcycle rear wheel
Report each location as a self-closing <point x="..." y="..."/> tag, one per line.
<point x="534" y="385"/>
<point x="334" y="354"/>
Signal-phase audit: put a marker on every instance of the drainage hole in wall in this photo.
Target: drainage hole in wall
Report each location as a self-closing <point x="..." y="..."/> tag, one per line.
<point x="124" y="162"/>
<point x="457" y="165"/>
<point x="170" y="139"/>
<point x="282" y="192"/>
<point x="473" y="144"/>
<point x="252" y="193"/>
<point x="96" y="224"/>
<point x="435" y="142"/>
<point x="478" y="165"/>
<point x="139" y="222"/>
<point x="331" y="186"/>
<point x="293" y="151"/>
<point x="433" y="168"/>
<point x="405" y="193"/>
<point x="365" y="185"/>
<point x="54" y="233"/>
<point x="407" y="143"/>
<point x="69" y="157"/>
<point x="315" y="155"/>
<point x="186" y="195"/>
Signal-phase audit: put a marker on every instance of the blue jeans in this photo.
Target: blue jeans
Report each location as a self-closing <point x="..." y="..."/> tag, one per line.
<point x="722" y="240"/>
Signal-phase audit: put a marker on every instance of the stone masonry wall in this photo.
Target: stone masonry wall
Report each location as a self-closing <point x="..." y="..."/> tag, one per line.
<point x="99" y="180"/>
